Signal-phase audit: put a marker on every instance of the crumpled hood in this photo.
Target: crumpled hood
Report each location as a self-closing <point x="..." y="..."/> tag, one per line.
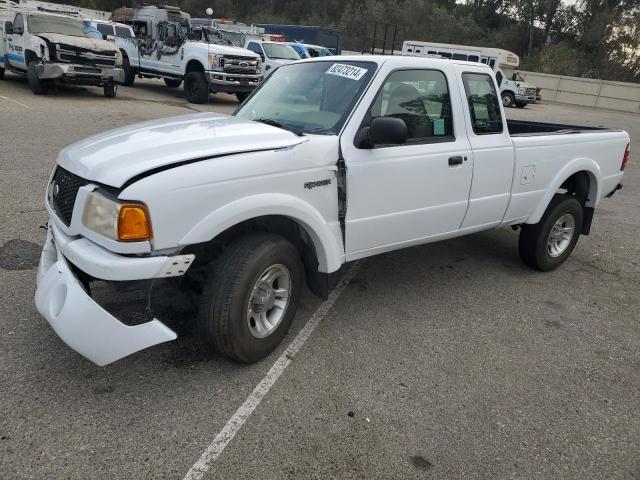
<point x="82" y="42"/>
<point x="115" y="156"/>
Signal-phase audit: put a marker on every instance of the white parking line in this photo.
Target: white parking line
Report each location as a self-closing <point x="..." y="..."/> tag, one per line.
<point x="213" y="451"/>
<point x="17" y="103"/>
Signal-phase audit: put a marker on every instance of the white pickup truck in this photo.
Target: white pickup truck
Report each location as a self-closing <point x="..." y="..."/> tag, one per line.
<point x="331" y="160"/>
<point x="49" y="48"/>
<point x="162" y="49"/>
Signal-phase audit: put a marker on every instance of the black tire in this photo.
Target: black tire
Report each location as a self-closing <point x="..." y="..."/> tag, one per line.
<point x="173" y="83"/>
<point x="534" y="239"/>
<point x="38" y="86"/>
<point x="196" y="89"/>
<point x="520" y="104"/>
<point x="229" y="287"/>
<point x="242" y="96"/>
<point x="1" y="73"/>
<point x="508" y="99"/>
<point x="129" y="73"/>
<point x="110" y="90"/>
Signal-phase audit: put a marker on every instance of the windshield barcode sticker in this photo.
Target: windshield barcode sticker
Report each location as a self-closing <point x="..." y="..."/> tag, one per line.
<point x="346" y="71"/>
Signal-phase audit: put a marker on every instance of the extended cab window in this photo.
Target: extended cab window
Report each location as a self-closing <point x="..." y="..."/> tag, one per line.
<point x="123" y="32"/>
<point x="421" y="99"/>
<point x="483" y="103"/>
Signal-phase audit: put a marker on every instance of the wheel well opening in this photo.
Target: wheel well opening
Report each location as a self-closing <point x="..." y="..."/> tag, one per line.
<point x="194" y="66"/>
<point x="29" y="55"/>
<point x="206" y="253"/>
<point x="578" y="185"/>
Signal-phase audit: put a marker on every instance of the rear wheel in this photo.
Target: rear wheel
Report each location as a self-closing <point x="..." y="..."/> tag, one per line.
<point x="173" y="83"/>
<point x="129" y="73"/>
<point x="1" y="73"/>
<point x="508" y="99"/>
<point x="110" y="90"/>
<point x="548" y="243"/>
<point x="250" y="296"/>
<point x="39" y="87"/>
<point x="196" y="89"/>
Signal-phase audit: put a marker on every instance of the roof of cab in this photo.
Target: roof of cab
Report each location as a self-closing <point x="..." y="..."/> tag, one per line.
<point x="398" y="61"/>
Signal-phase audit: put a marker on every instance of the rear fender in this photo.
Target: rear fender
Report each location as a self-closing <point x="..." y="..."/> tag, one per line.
<point x="575" y="166"/>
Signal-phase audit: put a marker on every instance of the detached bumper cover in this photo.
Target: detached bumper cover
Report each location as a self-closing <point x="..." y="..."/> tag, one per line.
<point x="79" y="72"/>
<point x="83" y="324"/>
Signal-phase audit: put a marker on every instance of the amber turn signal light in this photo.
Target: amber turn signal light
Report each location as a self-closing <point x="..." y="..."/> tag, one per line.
<point x="134" y="224"/>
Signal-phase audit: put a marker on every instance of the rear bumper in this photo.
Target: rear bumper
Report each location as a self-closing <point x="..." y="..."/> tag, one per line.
<point x="79" y="73"/>
<point x="79" y="321"/>
<point x="232" y="82"/>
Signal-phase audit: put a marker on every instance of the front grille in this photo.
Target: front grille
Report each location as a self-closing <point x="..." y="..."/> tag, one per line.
<point x="233" y="64"/>
<point x="531" y="91"/>
<point x="79" y="56"/>
<point x="63" y="190"/>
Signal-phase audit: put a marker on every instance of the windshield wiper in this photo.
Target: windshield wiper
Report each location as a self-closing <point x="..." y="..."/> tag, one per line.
<point x="275" y="123"/>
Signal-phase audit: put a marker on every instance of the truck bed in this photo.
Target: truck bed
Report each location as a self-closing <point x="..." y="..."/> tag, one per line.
<point x="523" y="128"/>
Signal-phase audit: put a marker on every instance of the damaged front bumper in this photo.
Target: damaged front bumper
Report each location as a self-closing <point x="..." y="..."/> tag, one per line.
<point x="80" y="73"/>
<point x="78" y="320"/>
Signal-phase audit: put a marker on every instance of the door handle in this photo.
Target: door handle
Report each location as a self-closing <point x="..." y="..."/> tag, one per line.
<point x="455" y="161"/>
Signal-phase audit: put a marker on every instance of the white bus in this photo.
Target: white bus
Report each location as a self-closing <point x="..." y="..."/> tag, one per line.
<point x="513" y="89"/>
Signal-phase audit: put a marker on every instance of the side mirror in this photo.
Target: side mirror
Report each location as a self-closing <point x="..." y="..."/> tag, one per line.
<point x="262" y="56"/>
<point x="383" y="131"/>
<point x="8" y="28"/>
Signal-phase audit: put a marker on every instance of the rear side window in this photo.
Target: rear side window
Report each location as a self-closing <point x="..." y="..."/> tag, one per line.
<point x="484" y="105"/>
<point x="123" y="32"/>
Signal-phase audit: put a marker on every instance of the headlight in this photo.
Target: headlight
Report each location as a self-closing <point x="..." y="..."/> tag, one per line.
<point x="124" y="222"/>
<point x="214" y="61"/>
<point x="118" y="58"/>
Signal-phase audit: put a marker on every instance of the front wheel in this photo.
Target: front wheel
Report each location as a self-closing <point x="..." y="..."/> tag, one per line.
<point x="521" y="104"/>
<point x="242" y="96"/>
<point x="1" y="73"/>
<point x="110" y="90"/>
<point x="508" y="100"/>
<point x="129" y="73"/>
<point x="196" y="89"/>
<point x="548" y="243"/>
<point x="38" y="87"/>
<point x="250" y="296"/>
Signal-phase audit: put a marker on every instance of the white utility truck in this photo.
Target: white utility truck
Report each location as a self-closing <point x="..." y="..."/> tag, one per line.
<point x="514" y="91"/>
<point x="331" y="160"/>
<point x="273" y="54"/>
<point x="162" y="49"/>
<point x="55" y="47"/>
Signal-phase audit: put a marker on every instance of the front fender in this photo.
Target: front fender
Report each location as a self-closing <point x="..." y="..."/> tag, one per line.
<point x="575" y="166"/>
<point x="325" y="235"/>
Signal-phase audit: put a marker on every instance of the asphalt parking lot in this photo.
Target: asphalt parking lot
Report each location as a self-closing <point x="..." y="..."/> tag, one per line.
<point x="451" y="360"/>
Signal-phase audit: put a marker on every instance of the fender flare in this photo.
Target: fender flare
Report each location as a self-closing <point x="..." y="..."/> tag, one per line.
<point x="577" y="165"/>
<point x="328" y="249"/>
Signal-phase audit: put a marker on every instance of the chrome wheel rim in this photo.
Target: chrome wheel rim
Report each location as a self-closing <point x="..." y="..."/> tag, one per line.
<point x="560" y="235"/>
<point x="506" y="101"/>
<point x="269" y="301"/>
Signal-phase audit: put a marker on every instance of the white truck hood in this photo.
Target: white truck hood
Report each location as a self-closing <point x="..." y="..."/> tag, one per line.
<point x="113" y="157"/>
<point x="223" y="49"/>
<point x="94" y="44"/>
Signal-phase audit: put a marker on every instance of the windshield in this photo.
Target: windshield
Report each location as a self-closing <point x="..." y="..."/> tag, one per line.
<point x="278" y="50"/>
<point x="319" y="51"/>
<point x="62" y="26"/>
<point x="314" y="97"/>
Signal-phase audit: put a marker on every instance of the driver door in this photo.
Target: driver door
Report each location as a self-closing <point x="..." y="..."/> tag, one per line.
<point x="399" y="195"/>
<point x="15" y="43"/>
<point x="170" y="48"/>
